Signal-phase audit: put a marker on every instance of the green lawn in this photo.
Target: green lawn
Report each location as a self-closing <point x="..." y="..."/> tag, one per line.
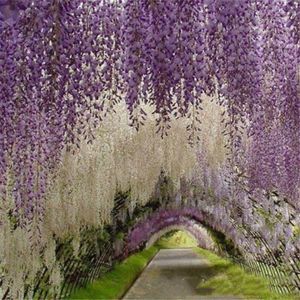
<point x="227" y="278"/>
<point x="116" y="282"/>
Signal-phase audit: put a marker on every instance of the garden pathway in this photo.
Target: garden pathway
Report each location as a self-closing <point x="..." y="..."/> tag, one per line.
<point x="173" y="274"/>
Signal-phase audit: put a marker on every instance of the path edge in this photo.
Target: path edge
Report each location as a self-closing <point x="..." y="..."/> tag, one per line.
<point x="138" y="275"/>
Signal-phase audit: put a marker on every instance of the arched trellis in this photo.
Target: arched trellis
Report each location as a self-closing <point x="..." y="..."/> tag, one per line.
<point x="144" y="230"/>
<point x="192" y="229"/>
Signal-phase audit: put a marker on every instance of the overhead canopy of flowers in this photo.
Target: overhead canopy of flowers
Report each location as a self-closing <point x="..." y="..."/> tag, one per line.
<point x="64" y="64"/>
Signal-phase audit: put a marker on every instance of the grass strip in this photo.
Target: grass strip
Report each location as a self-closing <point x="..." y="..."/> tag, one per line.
<point x="115" y="283"/>
<point x="227" y="278"/>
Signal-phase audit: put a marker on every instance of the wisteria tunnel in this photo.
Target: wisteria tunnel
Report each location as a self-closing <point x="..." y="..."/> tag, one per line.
<point x="129" y="126"/>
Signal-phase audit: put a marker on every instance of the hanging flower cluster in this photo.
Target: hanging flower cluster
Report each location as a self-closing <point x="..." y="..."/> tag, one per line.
<point x="164" y="58"/>
<point x="52" y="72"/>
<point x="276" y="142"/>
<point x="65" y="64"/>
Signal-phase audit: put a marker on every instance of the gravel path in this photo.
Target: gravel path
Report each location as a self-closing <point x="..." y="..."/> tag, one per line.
<point x="172" y="274"/>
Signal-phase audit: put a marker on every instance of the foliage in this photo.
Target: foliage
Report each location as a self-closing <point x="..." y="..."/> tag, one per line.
<point x="225" y="246"/>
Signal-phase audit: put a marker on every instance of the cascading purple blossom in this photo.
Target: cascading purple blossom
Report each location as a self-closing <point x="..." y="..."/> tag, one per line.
<point x="275" y="123"/>
<point x="64" y="64"/>
<point x="164" y="63"/>
<point x="49" y="88"/>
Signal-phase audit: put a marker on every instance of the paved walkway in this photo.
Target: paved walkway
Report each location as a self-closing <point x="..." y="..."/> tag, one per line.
<point x="172" y="274"/>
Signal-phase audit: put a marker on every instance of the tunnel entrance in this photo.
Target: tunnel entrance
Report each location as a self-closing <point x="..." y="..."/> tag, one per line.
<point x="176" y="238"/>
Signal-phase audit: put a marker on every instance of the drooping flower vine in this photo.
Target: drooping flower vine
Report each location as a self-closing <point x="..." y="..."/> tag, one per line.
<point x="56" y="100"/>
